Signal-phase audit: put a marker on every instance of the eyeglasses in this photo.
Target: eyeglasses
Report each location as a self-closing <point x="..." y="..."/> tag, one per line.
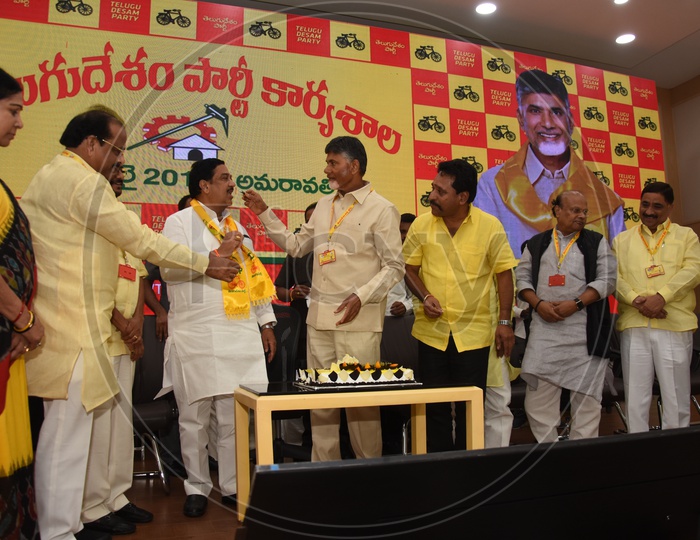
<point x="119" y="151"/>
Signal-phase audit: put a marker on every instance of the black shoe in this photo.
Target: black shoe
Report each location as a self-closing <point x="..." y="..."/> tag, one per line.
<point x="87" y="534"/>
<point x="195" y="505"/>
<point x="229" y="500"/>
<point x="134" y="514"/>
<point x="111" y="524"/>
<point x="519" y="418"/>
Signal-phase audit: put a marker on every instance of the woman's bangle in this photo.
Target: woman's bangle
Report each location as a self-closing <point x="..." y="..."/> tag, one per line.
<point x="537" y="304"/>
<point x="21" y="312"/>
<point x="216" y="252"/>
<point x="29" y="324"/>
<point x="426" y="297"/>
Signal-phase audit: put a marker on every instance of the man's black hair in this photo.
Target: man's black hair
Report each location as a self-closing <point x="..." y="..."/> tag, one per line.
<point x="463" y="174"/>
<point x="535" y="81"/>
<point x="660" y="187"/>
<point x="202" y="170"/>
<point x="184" y="202"/>
<point x="351" y="147"/>
<point x="96" y="121"/>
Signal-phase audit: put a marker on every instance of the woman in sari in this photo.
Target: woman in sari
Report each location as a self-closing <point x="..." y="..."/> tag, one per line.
<point x="20" y="332"/>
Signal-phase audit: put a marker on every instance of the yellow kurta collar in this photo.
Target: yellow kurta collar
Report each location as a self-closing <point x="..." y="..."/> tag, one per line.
<point x="665" y="225"/>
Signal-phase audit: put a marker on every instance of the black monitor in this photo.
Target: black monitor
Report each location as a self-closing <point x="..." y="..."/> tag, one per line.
<point x="621" y="486"/>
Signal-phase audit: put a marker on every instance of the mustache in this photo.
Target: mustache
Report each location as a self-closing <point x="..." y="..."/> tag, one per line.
<point x="436" y="205"/>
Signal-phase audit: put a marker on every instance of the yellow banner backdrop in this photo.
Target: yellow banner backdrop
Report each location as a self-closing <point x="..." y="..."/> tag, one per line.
<point x="266" y="91"/>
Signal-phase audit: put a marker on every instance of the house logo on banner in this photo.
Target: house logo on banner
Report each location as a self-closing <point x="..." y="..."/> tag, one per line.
<point x="191" y="148"/>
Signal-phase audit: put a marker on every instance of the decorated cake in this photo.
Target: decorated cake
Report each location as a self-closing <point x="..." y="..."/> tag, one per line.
<point x="351" y="371"/>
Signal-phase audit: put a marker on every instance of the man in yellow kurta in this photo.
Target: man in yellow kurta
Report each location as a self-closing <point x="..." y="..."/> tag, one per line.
<point x="658" y="268"/>
<point x="111" y="459"/>
<point x="78" y="229"/>
<point x="452" y="257"/>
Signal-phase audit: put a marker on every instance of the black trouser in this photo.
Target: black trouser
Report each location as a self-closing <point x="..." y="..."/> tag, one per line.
<point x="450" y="368"/>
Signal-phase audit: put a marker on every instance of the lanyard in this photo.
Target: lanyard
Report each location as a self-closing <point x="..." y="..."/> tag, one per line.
<point x="557" y="248"/>
<point x="653" y="251"/>
<point x="335" y="225"/>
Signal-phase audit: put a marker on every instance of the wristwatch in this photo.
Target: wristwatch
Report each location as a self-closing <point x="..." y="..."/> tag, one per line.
<point x="269" y="325"/>
<point x="505" y="322"/>
<point x="579" y="304"/>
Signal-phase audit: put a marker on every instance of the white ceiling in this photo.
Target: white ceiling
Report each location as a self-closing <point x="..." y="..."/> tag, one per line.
<point x="580" y="31"/>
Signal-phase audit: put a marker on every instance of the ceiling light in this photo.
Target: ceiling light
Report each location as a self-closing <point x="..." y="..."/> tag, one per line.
<point x="625" y="38"/>
<point x="621" y="1"/>
<point x="486" y="8"/>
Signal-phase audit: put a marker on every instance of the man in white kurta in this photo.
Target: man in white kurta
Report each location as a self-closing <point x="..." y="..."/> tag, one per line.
<point x="208" y="354"/>
<point x="566" y="274"/>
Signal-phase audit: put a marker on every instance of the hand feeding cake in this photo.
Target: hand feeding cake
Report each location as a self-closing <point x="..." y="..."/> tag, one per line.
<point x="350" y="371"/>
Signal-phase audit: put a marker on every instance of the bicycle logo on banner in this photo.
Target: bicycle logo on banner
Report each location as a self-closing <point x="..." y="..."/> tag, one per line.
<point x="66" y="6"/>
<point x="264" y="28"/>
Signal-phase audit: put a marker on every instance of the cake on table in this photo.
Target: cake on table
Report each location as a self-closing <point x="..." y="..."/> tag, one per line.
<point x="350" y="371"/>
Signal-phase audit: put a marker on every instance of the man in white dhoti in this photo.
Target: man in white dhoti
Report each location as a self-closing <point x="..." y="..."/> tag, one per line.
<point x="566" y="275"/>
<point x="214" y="332"/>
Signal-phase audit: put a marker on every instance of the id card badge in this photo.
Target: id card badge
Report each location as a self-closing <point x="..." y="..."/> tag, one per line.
<point x="654" y="270"/>
<point x="326" y="257"/>
<point x="127" y="272"/>
<point x="557" y="280"/>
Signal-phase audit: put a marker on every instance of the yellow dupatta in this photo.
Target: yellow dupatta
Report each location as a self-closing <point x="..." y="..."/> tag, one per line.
<point x="238" y="295"/>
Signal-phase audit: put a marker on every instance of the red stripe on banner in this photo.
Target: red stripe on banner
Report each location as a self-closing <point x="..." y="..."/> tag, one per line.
<point x="26" y="10"/>
<point x="643" y="93"/>
<point x="219" y="24"/>
<point x="256" y="230"/>
<point x="430" y="88"/>
<point x="626" y="184"/>
<point x="427" y="157"/>
<point x="128" y="16"/>
<point x="309" y="36"/>
<point x="651" y="155"/>
<point x="154" y="215"/>
<point x="390" y="47"/>
<point x="525" y="62"/>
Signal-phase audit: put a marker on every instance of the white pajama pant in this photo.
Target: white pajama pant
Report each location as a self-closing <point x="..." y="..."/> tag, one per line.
<point x="111" y="458"/>
<point x="498" y="419"/>
<point x="542" y="409"/>
<point x="61" y="461"/>
<point x="646" y="351"/>
<point x="194" y="437"/>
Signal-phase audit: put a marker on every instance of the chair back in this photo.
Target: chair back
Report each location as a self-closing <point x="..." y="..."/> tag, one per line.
<point x="398" y="345"/>
<point x="151" y="416"/>
<point x="148" y="374"/>
<point x="284" y="364"/>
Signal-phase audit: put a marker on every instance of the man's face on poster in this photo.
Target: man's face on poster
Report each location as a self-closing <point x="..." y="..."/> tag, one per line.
<point x="547" y="124"/>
